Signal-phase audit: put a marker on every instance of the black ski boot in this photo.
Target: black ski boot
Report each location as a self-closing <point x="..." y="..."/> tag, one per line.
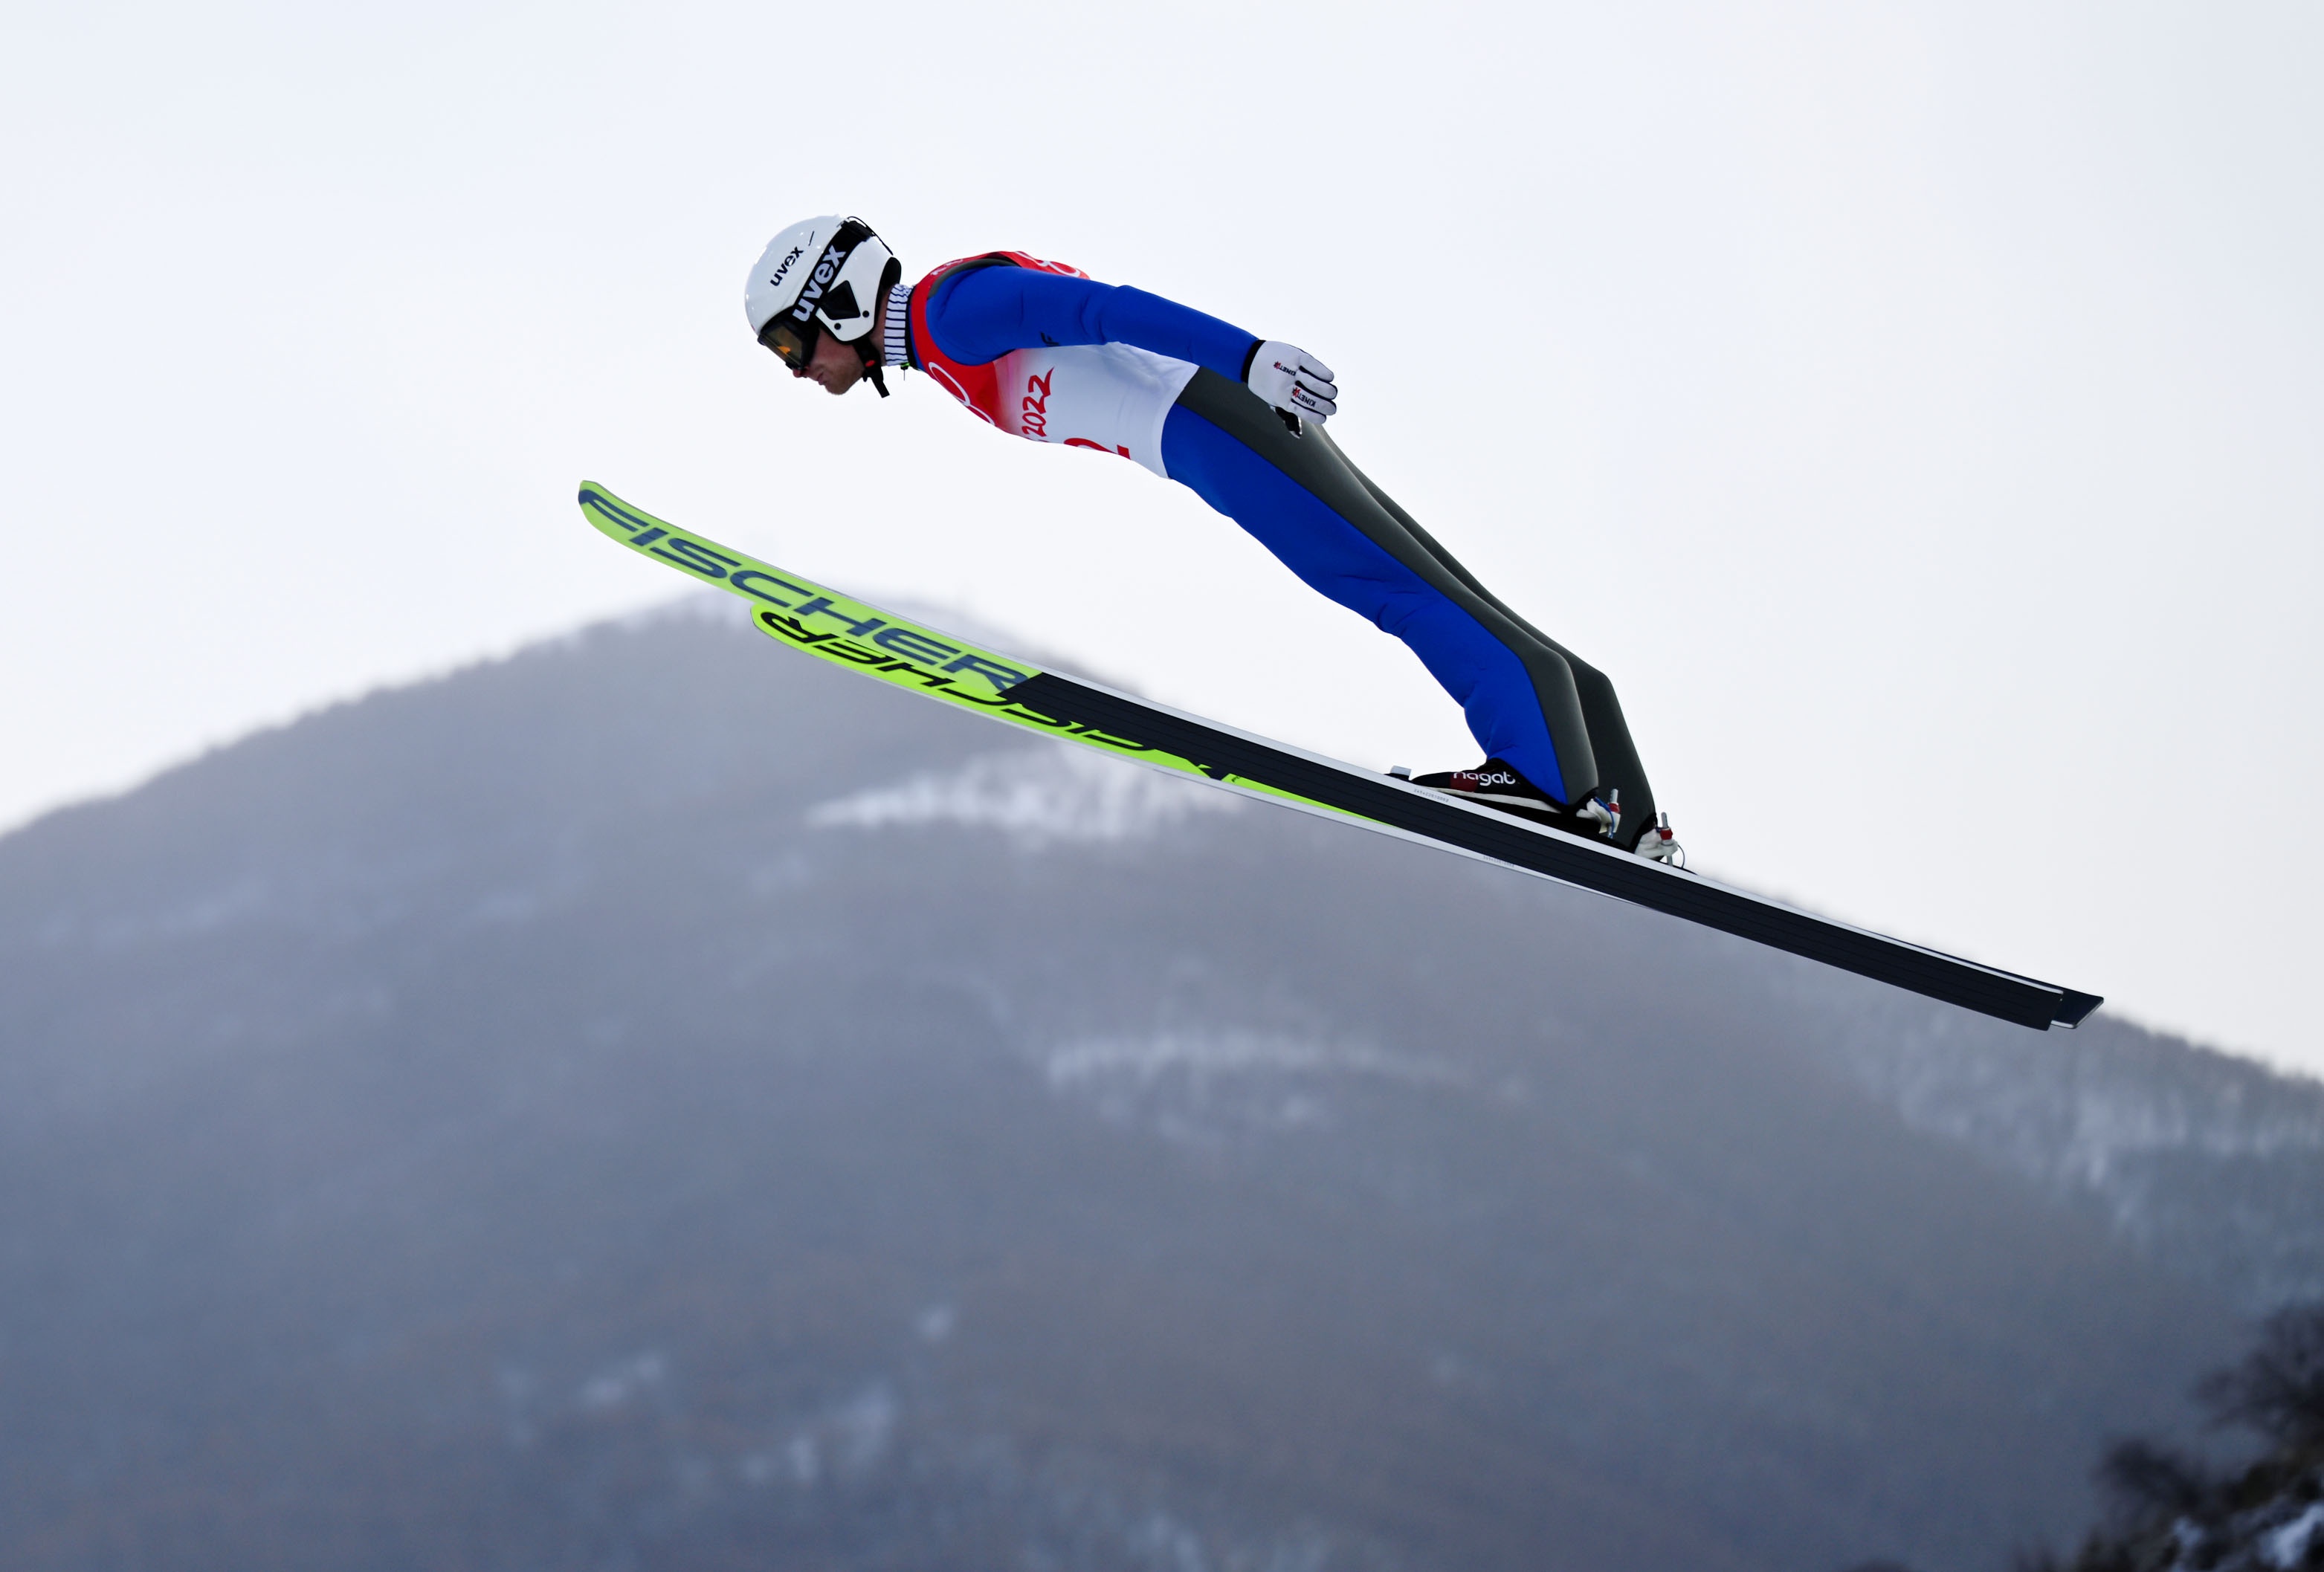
<point x="1494" y="785"/>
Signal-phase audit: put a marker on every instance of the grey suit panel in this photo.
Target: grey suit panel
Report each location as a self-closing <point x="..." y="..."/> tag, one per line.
<point x="1619" y="767"/>
<point x="1577" y="701"/>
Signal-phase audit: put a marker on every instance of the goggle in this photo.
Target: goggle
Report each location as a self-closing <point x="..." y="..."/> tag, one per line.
<point x="792" y="341"/>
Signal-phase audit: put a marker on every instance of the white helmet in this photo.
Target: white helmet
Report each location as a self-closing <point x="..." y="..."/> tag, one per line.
<point x="824" y="275"/>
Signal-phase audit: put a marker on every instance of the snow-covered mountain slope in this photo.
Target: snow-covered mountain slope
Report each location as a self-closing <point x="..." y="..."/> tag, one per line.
<point x="656" y="1102"/>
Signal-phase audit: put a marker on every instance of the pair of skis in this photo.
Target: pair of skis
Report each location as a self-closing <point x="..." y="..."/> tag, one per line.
<point x="833" y="627"/>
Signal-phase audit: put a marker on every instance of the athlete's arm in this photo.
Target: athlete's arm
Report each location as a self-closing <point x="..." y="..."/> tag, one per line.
<point x="981" y="314"/>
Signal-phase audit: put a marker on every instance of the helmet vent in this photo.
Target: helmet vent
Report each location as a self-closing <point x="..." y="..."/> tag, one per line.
<point x="839" y="303"/>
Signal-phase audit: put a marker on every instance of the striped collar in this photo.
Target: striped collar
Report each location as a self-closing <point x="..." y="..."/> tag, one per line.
<point x="896" y="333"/>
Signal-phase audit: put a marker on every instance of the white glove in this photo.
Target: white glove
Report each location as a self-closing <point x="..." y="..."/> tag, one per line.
<point x="1294" y="381"/>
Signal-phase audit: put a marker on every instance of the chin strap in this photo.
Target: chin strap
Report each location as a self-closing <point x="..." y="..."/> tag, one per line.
<point x="879" y="382"/>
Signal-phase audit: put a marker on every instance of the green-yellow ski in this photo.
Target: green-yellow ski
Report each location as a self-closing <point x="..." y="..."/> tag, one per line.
<point x="837" y="627"/>
<point x="849" y="632"/>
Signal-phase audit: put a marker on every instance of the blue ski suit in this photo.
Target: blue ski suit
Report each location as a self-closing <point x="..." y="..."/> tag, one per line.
<point x="1043" y="352"/>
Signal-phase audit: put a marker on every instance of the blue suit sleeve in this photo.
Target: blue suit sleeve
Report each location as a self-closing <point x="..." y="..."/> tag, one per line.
<point x="982" y="315"/>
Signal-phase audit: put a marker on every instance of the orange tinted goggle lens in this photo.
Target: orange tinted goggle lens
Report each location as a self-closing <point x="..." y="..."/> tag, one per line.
<point x="791" y="346"/>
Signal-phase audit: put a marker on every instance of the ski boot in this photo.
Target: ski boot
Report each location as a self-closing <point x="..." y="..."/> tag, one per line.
<point x="1494" y="785"/>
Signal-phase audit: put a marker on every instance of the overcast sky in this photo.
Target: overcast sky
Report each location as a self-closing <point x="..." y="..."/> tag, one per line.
<point x="1916" y="408"/>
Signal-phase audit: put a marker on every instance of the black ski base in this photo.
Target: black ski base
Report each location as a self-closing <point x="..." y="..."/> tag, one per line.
<point x="1221" y="751"/>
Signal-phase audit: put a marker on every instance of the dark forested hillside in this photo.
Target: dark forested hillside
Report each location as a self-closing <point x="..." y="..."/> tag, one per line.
<point x="655" y="1102"/>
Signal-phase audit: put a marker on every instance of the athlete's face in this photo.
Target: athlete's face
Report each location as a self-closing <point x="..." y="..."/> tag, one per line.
<point x="834" y="366"/>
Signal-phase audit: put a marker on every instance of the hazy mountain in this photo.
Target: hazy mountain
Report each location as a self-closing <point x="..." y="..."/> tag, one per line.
<point x="657" y="1102"/>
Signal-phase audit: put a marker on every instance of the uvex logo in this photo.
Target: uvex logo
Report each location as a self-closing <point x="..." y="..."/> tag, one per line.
<point x="785" y="265"/>
<point x="826" y="269"/>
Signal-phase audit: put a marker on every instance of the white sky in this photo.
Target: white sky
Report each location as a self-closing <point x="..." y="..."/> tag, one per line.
<point x="1915" y="409"/>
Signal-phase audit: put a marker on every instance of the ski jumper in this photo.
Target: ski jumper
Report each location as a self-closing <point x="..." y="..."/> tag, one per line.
<point x="1041" y="351"/>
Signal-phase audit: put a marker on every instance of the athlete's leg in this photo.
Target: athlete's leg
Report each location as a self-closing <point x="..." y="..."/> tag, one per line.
<point x="1305" y="504"/>
<point x="1619" y="767"/>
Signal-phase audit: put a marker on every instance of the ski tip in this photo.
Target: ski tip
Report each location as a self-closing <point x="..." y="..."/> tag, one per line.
<point x="2073" y="1009"/>
<point x="598" y="505"/>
